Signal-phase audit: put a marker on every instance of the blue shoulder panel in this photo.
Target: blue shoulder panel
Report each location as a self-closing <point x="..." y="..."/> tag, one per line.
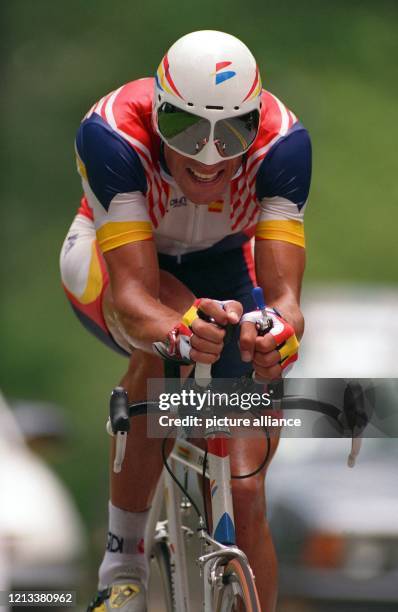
<point x="286" y="169"/>
<point x="112" y="165"/>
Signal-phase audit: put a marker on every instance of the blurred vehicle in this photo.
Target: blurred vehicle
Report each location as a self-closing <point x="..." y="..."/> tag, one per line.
<point x="350" y="331"/>
<point x="41" y="534"/>
<point x="336" y="529"/>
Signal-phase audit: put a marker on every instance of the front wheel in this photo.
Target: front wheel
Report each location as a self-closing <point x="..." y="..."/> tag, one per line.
<point x="237" y="593"/>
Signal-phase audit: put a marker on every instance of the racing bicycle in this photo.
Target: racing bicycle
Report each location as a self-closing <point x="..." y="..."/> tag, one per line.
<point x="227" y="578"/>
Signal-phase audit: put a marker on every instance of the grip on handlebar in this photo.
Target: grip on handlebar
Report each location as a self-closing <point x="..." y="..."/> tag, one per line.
<point x="203" y="374"/>
<point x="203" y="370"/>
<point x="228" y="328"/>
<point x="119" y="410"/>
<point x="275" y="388"/>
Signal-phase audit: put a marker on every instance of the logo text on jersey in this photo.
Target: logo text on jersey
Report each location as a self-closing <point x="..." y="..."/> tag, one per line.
<point x="176" y="202"/>
<point x="225" y="74"/>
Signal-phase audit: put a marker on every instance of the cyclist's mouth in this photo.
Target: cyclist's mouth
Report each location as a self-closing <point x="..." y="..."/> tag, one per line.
<point x="201" y="177"/>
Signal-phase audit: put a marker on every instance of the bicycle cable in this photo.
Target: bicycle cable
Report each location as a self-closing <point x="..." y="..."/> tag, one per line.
<point x="184" y="490"/>
<point x="236" y="477"/>
<point x="262" y="464"/>
<point x="244" y="381"/>
<point x="174" y="477"/>
<point x="206" y="517"/>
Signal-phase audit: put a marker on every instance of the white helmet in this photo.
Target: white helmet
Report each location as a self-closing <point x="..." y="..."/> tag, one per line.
<point x="207" y="97"/>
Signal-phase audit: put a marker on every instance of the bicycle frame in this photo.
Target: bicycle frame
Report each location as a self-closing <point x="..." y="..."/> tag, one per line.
<point x="222" y="541"/>
<point x="220" y="547"/>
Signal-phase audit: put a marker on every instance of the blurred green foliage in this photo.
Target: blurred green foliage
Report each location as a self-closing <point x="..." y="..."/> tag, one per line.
<point x="332" y="63"/>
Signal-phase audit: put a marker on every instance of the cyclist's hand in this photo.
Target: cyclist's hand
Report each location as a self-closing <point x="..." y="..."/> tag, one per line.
<point x="271" y="353"/>
<point x="199" y="340"/>
<point x="207" y="338"/>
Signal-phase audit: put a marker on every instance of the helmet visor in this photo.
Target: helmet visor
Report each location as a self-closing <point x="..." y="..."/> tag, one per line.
<point x="186" y="132"/>
<point x="189" y="133"/>
<point x="234" y="136"/>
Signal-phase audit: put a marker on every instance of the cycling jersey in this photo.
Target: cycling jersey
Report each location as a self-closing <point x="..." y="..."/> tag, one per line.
<point x="130" y="194"/>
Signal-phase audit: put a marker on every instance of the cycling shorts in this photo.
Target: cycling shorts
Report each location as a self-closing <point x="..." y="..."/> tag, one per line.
<point x="222" y="276"/>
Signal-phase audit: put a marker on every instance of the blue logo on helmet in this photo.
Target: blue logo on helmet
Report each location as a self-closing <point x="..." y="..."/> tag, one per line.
<point x="225" y="75"/>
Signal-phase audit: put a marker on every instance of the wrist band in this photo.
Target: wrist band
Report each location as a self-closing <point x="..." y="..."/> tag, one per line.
<point x="191" y="314"/>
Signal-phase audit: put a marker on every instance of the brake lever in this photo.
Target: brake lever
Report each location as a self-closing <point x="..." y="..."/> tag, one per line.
<point x="203" y="370"/>
<point x="118" y="425"/>
<point x="356" y="418"/>
<point x="356" y="443"/>
<point x="275" y="388"/>
<point x="264" y="326"/>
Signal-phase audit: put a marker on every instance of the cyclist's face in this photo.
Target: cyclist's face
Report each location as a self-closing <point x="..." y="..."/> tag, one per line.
<point x="199" y="182"/>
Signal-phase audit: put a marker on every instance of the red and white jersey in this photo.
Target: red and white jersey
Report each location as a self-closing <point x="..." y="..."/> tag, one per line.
<point x="130" y="195"/>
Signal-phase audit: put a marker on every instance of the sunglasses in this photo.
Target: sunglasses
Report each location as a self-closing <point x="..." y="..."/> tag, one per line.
<point x="188" y="133"/>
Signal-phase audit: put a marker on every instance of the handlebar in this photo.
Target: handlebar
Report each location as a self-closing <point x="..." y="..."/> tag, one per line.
<point x="352" y="419"/>
<point x="202" y="374"/>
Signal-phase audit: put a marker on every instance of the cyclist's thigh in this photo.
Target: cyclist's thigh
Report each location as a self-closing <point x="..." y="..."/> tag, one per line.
<point x="85" y="278"/>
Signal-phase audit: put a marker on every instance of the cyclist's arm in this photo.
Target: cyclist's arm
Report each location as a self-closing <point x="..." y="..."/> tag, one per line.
<point x="114" y="183"/>
<point x="134" y="276"/>
<point x="279" y="269"/>
<point x="282" y="186"/>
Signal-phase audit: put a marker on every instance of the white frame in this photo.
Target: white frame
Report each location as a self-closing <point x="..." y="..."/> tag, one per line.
<point x="219" y="469"/>
<point x="168" y="491"/>
<point x="192" y="458"/>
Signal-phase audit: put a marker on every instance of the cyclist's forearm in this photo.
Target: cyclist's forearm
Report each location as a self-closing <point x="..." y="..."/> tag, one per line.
<point x="134" y="278"/>
<point x="144" y="318"/>
<point x="279" y="270"/>
<point x="291" y="312"/>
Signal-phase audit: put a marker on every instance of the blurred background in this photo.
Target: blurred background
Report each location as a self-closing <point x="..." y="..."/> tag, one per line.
<point x="333" y="64"/>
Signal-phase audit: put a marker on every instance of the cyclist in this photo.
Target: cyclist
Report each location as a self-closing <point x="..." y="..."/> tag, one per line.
<point x="179" y="173"/>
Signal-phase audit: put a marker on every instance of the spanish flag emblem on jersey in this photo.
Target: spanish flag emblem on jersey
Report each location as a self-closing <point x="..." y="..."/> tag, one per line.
<point x="216" y="206"/>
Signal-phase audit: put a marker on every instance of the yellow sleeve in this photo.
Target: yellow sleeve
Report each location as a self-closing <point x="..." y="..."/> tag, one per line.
<point x="285" y="230"/>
